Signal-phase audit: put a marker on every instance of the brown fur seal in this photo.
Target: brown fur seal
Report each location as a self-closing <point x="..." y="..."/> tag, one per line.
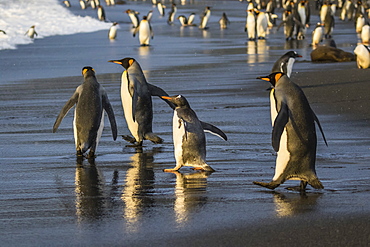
<point x="331" y="54"/>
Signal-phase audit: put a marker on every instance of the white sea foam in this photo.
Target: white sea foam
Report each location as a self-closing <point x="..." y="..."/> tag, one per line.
<point x="49" y="17"/>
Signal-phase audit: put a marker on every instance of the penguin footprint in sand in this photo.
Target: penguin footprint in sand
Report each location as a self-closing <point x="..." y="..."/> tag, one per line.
<point x="188" y="136"/>
<point x="293" y="135"/>
<point x="136" y="96"/>
<point x="91" y="100"/>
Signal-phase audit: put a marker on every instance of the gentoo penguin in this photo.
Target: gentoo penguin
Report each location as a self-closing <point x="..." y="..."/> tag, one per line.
<point x="285" y="63"/>
<point x="31" y="32"/>
<point x="250" y="25"/>
<point x="145" y="32"/>
<point x="91" y="100"/>
<point x="365" y="34"/>
<point x="171" y="14"/>
<point x="293" y="135"/>
<point x="188" y="136"/>
<point x="101" y="13"/>
<point x="83" y="4"/>
<point x="161" y="8"/>
<point x="261" y="24"/>
<point x="133" y="17"/>
<point x="205" y="18"/>
<point x="317" y="34"/>
<point x="113" y="31"/>
<point x="136" y="96"/>
<point x="362" y="56"/>
<point x="224" y="21"/>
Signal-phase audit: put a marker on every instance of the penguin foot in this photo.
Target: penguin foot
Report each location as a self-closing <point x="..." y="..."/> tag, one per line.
<point x="129" y="138"/>
<point x="153" y="138"/>
<point x="79" y="153"/>
<point x="91" y="155"/>
<point x="171" y="170"/>
<point x="206" y="169"/>
<point x="270" y="185"/>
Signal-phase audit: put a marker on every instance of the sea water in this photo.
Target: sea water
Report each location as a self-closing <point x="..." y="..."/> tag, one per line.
<point x="49" y="17"/>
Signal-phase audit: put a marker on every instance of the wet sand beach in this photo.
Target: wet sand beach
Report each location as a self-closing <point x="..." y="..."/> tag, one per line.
<point x="124" y="198"/>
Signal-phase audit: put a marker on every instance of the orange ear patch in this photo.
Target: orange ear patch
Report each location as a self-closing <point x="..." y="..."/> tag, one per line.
<point x="278" y="76"/>
<point x="131" y="61"/>
<point x="84" y="71"/>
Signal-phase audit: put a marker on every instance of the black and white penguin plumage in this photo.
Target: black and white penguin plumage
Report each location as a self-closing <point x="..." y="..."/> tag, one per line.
<point x="101" y="13"/>
<point x="133" y="15"/>
<point x="136" y="96"/>
<point x="205" y="17"/>
<point x="31" y="32"/>
<point x="294" y="134"/>
<point x="285" y="63"/>
<point x="145" y="32"/>
<point x="188" y="136"/>
<point x="224" y="21"/>
<point x="362" y="56"/>
<point x="171" y="14"/>
<point x="112" y="34"/>
<point x="91" y="101"/>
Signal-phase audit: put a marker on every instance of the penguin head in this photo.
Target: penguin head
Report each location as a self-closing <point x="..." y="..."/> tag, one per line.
<point x="125" y="62"/>
<point x="88" y="71"/>
<point x="272" y="78"/>
<point x="292" y="54"/>
<point x="177" y="100"/>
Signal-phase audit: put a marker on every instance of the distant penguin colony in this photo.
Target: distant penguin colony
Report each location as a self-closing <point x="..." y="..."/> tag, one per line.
<point x="292" y="118"/>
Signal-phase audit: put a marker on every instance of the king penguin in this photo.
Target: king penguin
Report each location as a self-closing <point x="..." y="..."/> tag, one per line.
<point x="205" y="18"/>
<point x="362" y="53"/>
<point x="188" y="136"/>
<point x="317" y="34"/>
<point x="293" y="135"/>
<point x="136" y="96"/>
<point x="101" y="13"/>
<point x="224" y="21"/>
<point x="112" y="34"/>
<point x="171" y="14"/>
<point x="145" y="32"/>
<point x="133" y="15"/>
<point x="31" y="32"/>
<point x="250" y="25"/>
<point x="91" y="100"/>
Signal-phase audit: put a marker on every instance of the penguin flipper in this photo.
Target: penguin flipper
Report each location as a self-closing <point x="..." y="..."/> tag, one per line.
<point x="213" y="130"/>
<point x="109" y="110"/>
<point x="70" y="103"/>
<point x="321" y="130"/>
<point x="157" y="91"/>
<point x="279" y="125"/>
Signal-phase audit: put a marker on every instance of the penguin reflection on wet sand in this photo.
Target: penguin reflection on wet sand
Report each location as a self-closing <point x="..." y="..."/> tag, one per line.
<point x="91" y="100"/>
<point x="188" y="136"/>
<point x="136" y="96"/>
<point x="294" y="135"/>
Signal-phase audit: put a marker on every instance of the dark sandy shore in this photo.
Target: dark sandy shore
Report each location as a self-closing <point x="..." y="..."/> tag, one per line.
<point x="125" y="199"/>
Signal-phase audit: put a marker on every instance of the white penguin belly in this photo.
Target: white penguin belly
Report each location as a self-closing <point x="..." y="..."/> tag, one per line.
<point x="251" y="26"/>
<point x="283" y="155"/>
<point x="100" y="130"/>
<point x="112" y="33"/>
<point x="178" y="132"/>
<point x="126" y="99"/>
<point x="75" y="129"/>
<point x="144" y="33"/>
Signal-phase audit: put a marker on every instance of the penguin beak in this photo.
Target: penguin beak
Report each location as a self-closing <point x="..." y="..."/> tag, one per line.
<point x="165" y="97"/>
<point x="265" y="78"/>
<point x="114" y="61"/>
